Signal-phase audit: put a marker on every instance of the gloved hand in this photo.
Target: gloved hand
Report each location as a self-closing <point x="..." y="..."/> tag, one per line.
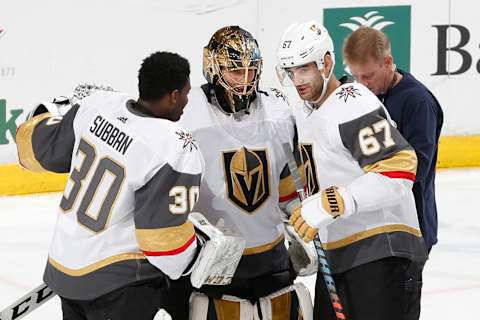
<point x="57" y="108"/>
<point x="220" y="252"/>
<point x="85" y="89"/>
<point x="321" y="208"/>
<point x="60" y="105"/>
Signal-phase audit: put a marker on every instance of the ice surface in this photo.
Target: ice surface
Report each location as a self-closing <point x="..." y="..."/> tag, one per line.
<point x="451" y="277"/>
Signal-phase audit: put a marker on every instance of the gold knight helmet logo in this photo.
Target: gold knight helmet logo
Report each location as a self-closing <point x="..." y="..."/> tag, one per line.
<point x="246" y="173"/>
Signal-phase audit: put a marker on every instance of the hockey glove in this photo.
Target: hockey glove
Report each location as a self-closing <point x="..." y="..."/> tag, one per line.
<point x="220" y="253"/>
<point x="319" y="209"/>
<point x="60" y="105"/>
<point x="85" y="89"/>
<point x="302" y="255"/>
<point x="57" y="108"/>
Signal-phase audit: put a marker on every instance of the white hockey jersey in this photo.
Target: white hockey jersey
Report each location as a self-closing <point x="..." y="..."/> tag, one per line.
<point x="349" y="142"/>
<point x="133" y="180"/>
<point x="246" y="173"/>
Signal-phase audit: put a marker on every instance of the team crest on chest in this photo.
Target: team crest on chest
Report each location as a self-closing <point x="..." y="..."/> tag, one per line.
<point x="246" y="177"/>
<point x="347" y="92"/>
<point x="309" y="171"/>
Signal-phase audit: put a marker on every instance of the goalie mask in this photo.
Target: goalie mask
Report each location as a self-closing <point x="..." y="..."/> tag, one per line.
<point x="232" y="64"/>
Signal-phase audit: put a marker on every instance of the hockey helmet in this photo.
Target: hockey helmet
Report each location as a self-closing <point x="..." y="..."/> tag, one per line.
<point x="300" y="44"/>
<point x="233" y="49"/>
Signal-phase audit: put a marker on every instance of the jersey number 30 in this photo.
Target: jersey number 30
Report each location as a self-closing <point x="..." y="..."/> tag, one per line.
<point x="93" y="219"/>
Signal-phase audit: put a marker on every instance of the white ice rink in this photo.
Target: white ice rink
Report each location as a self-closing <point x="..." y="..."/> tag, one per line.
<point x="451" y="278"/>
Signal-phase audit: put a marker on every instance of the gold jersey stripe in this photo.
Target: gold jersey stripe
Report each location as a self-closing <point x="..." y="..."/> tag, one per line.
<point x="26" y="156"/>
<point x="263" y="248"/>
<point x="405" y="161"/>
<point x="165" y="239"/>
<point x="97" y="265"/>
<point x="369" y="233"/>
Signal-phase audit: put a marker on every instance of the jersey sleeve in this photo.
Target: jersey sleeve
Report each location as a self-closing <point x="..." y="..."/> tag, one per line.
<point x="378" y="146"/>
<point x="387" y="159"/>
<point x="163" y="231"/>
<point x="45" y="143"/>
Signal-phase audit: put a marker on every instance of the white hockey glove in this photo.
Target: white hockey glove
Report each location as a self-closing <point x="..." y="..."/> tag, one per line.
<point x="220" y="253"/>
<point x="85" y="89"/>
<point x="319" y="209"/>
<point x="60" y="105"/>
<point x="303" y="255"/>
<point x="57" y="108"/>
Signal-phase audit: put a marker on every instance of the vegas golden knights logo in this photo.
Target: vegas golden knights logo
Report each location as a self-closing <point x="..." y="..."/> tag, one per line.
<point x="246" y="173"/>
<point x="309" y="174"/>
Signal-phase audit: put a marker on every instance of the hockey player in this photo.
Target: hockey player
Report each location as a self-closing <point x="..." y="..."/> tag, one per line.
<point x="240" y="130"/>
<point x="123" y="222"/>
<point x="360" y="174"/>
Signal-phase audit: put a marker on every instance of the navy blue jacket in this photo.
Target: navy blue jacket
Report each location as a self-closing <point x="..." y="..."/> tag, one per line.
<point x="419" y="119"/>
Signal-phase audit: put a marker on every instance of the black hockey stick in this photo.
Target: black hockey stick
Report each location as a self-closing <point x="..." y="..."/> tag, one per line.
<point x="322" y="259"/>
<point x="27" y="303"/>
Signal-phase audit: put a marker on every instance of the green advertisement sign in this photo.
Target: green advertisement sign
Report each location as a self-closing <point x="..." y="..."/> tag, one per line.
<point x="8" y="122"/>
<point x="392" y="20"/>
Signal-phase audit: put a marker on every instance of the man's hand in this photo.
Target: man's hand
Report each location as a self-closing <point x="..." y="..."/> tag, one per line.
<point x="321" y="208"/>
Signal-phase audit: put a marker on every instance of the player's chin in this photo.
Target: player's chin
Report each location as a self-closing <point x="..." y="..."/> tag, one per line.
<point x="304" y="92"/>
<point x="305" y="95"/>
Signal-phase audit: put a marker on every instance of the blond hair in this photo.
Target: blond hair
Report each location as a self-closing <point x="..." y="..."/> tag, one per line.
<point x="365" y="43"/>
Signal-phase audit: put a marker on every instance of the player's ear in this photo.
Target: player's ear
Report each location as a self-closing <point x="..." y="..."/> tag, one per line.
<point x="174" y="96"/>
<point x="328" y="63"/>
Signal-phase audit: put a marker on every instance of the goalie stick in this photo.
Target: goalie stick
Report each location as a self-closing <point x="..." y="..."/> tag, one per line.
<point x="322" y="259"/>
<point x="27" y="303"/>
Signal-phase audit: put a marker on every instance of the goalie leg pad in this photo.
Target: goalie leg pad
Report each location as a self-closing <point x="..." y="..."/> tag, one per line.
<point x="162" y="315"/>
<point x="198" y="306"/>
<point x="227" y="308"/>
<point x="293" y="302"/>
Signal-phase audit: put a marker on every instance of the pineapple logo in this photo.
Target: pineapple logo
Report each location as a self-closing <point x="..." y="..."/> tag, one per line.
<point x="370" y="19"/>
<point x="393" y="20"/>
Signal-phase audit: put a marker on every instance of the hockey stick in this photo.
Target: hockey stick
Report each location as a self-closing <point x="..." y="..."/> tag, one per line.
<point x="27" y="303"/>
<point x="39" y="296"/>
<point x="322" y="259"/>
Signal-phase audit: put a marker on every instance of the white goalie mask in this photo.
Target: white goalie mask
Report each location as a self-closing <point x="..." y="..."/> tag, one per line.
<point x="303" y="43"/>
